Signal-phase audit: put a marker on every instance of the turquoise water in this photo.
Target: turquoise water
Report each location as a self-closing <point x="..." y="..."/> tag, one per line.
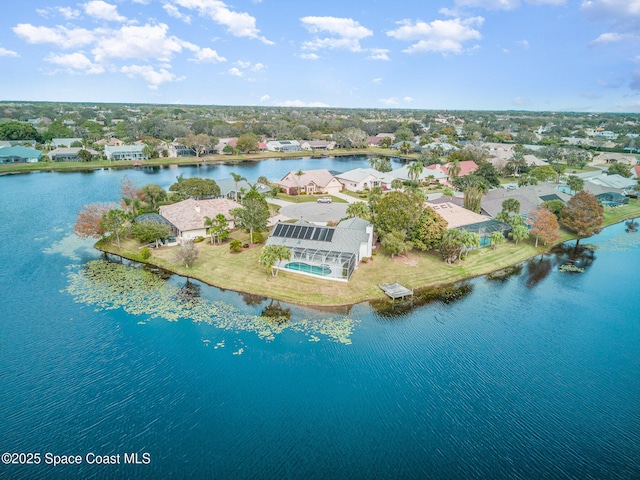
<point x="303" y="267"/>
<point x="529" y="376"/>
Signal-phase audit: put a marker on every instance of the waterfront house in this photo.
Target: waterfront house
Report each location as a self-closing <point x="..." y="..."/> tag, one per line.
<point x="331" y="253"/>
<point x="310" y="182"/>
<point x="530" y="198"/>
<point x="360" y="179"/>
<point x="188" y="216"/>
<point x="284" y="146"/>
<point x="467" y="221"/>
<point x="317" y="145"/>
<point x="229" y="188"/>
<point x="125" y="152"/>
<point x="70" y="154"/>
<point x="19" y="154"/>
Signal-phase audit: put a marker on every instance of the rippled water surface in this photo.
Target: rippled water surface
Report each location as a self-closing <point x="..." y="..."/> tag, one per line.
<point x="529" y="376"/>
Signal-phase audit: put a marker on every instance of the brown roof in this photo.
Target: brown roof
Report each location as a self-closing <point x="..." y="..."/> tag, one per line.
<point x="457" y="216"/>
<point x="321" y="178"/>
<point x="189" y="214"/>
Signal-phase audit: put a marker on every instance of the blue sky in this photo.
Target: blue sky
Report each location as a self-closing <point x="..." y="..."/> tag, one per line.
<point x="581" y="55"/>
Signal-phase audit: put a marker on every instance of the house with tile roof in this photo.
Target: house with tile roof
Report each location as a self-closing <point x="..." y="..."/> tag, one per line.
<point x="188" y="216"/>
<point x="530" y="198"/>
<point x="360" y="179"/>
<point x="465" y="167"/>
<point x="435" y="172"/>
<point x="310" y="182"/>
<point x="331" y="253"/>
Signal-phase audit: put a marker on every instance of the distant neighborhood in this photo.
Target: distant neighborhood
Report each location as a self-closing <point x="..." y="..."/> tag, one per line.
<point x="462" y="180"/>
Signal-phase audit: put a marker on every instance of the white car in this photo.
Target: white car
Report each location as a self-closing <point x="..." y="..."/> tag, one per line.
<point x="324" y="200"/>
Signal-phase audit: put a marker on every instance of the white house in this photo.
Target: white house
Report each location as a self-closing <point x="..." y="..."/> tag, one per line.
<point x="331" y="253"/>
<point x="360" y="179"/>
<point x="284" y="146"/>
<point x="125" y="152"/>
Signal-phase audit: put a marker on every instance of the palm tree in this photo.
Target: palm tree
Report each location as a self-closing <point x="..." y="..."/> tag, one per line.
<point x="415" y="170"/>
<point x="454" y="170"/>
<point x="272" y="255"/>
<point x="299" y="174"/>
<point x="237" y="178"/>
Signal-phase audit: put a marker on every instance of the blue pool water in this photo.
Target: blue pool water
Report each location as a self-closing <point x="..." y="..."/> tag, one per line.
<point x="529" y="376"/>
<point x="313" y="269"/>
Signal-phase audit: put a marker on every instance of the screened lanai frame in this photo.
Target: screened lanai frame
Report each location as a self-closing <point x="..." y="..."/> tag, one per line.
<point x="485" y="229"/>
<point x="340" y="264"/>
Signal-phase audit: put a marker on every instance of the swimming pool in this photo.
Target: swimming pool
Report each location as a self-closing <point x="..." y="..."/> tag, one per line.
<point x="322" y="270"/>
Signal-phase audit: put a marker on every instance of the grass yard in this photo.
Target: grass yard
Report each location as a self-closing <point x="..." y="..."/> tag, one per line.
<point x="241" y="272"/>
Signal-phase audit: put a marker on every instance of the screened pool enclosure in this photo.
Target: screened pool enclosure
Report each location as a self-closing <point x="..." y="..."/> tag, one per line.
<point x="324" y="263"/>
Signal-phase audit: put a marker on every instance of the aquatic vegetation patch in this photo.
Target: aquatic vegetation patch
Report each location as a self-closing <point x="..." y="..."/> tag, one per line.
<point x="621" y="243"/>
<point x="109" y="286"/>
<point x="571" y="268"/>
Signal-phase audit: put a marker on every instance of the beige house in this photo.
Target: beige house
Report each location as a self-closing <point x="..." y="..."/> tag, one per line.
<point x="455" y="215"/>
<point x="310" y="182"/>
<point x="188" y="216"/>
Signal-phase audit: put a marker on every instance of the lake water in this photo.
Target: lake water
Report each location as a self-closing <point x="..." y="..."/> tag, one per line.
<point x="534" y="375"/>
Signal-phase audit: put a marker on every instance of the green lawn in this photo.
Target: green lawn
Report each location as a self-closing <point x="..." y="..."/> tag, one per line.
<point x="241" y="272"/>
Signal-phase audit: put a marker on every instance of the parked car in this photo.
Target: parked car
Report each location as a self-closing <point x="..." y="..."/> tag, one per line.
<point x="324" y="200"/>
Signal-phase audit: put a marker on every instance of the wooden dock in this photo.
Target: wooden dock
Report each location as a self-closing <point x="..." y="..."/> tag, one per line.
<point x="395" y="290"/>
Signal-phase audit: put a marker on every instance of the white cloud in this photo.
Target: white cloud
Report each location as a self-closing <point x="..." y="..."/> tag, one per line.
<point x="173" y="11"/>
<point x="523" y="43"/>
<point x="60" y="36"/>
<point x="75" y="63"/>
<point x="238" y="24"/>
<point x="103" y="11"/>
<point x="154" y="78"/>
<point x="265" y="98"/>
<point x="345" y="33"/>
<point x="609" y="37"/>
<point x="300" y="103"/>
<point x="66" y="12"/>
<point x="207" y="55"/>
<point x="379" y="54"/>
<point x="390" y="102"/>
<point x="309" y="56"/>
<point x="443" y="36"/>
<point x="8" y="53"/>
<point x="141" y="42"/>
<point x="242" y="67"/>
<point x="407" y="99"/>
<point x="377" y="81"/>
